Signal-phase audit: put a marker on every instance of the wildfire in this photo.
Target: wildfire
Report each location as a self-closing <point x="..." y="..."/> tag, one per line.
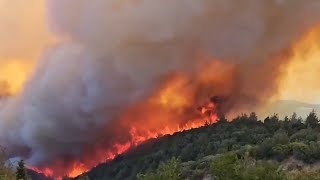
<point x="46" y="171"/>
<point x="77" y="170"/>
<point x="128" y="41"/>
<point x="181" y="103"/>
<point x="173" y="105"/>
<point x="172" y="108"/>
<point x="137" y="138"/>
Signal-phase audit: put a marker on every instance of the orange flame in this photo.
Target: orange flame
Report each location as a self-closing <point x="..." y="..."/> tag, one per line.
<point x="172" y="108"/>
<point x="137" y="138"/>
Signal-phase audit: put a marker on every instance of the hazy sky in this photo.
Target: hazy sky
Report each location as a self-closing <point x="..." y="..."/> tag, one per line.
<point x="24" y="33"/>
<point x="302" y="80"/>
<point x="23" y="30"/>
<point x="109" y="76"/>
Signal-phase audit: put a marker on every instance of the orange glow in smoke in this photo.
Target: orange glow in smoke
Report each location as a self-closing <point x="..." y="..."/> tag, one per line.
<point x="180" y="103"/>
<point x="15" y="73"/>
<point x="302" y="73"/>
<point x="173" y="107"/>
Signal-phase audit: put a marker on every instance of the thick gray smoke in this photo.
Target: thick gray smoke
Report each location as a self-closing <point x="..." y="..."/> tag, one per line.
<point x="115" y="52"/>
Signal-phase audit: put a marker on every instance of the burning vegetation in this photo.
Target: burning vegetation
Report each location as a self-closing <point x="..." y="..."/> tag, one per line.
<point x="123" y="72"/>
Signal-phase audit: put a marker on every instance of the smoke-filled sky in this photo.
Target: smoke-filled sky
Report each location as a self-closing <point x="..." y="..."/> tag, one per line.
<point x="23" y="35"/>
<point x="81" y="94"/>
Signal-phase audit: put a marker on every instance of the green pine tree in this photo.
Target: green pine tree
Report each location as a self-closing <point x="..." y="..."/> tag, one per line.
<point x="21" y="173"/>
<point x="312" y="119"/>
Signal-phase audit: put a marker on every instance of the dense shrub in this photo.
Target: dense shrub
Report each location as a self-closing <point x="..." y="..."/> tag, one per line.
<point x="275" y="139"/>
<point x="230" y="167"/>
<point x="171" y="170"/>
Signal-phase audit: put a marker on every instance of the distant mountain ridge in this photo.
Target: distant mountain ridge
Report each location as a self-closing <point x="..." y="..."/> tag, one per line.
<point x="288" y="107"/>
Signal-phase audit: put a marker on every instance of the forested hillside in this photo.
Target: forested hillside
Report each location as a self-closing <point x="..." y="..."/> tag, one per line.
<point x="241" y="148"/>
<point x="239" y="141"/>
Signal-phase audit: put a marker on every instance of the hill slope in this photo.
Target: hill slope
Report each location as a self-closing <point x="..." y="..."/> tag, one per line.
<point x="272" y="139"/>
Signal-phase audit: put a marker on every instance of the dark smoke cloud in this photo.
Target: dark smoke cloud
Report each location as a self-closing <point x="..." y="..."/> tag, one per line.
<point x="116" y="52"/>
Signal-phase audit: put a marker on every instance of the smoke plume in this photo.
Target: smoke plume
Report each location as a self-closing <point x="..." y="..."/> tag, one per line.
<point x="135" y="67"/>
